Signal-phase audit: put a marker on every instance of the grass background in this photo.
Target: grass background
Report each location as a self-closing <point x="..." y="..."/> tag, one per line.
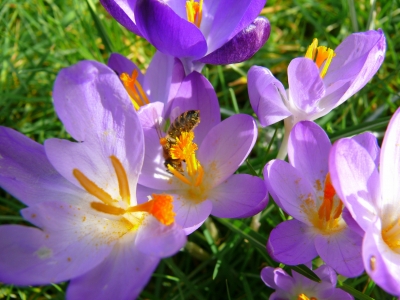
<point x="223" y="259"/>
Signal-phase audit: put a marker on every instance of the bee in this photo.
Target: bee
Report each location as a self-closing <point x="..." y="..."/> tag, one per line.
<point x="185" y="122"/>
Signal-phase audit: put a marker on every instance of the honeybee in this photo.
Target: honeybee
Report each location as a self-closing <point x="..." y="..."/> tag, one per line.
<point x="185" y="122"/>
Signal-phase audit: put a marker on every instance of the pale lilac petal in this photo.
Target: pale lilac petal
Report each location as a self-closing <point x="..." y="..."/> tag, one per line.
<point x="339" y="294"/>
<point x="143" y="193"/>
<point x="197" y="93"/>
<point x="156" y="239"/>
<point x="390" y="167"/>
<point x="351" y="223"/>
<point x="267" y="276"/>
<point x="88" y="98"/>
<point x="242" y="46"/>
<point x="291" y="188"/>
<point x="226" y="147"/>
<point x="29" y="256"/>
<point x="190" y="214"/>
<point x="121" y="10"/>
<point x="305" y="91"/>
<point x="167" y="31"/>
<point x="266" y="95"/>
<point x="292" y="243"/>
<point x="122" y="275"/>
<point x="278" y="279"/>
<point x="381" y="262"/>
<point x="355" y="179"/>
<point x="26" y="173"/>
<point x="239" y="196"/>
<point x="308" y="151"/>
<point x="239" y="13"/>
<point x="341" y="251"/>
<point x="120" y="64"/>
<point x="368" y="141"/>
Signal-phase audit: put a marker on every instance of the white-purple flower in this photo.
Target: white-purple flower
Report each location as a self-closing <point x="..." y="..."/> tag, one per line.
<point x="318" y="82"/>
<point x="81" y="196"/>
<point x="302" y="188"/>
<point x="207" y="185"/>
<point x="371" y="192"/>
<point x="301" y="288"/>
<point x="209" y="31"/>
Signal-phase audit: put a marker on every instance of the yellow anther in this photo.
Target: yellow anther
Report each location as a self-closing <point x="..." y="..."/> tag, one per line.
<point x="320" y="55"/>
<point x="200" y="176"/>
<point x="108" y="209"/>
<point x="194" y="12"/>
<point x="184" y="146"/>
<point x="123" y="182"/>
<point x="178" y="175"/>
<point x="134" y="89"/>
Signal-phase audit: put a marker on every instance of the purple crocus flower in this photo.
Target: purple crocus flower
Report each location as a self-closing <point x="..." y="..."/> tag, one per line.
<point x="318" y="82"/>
<point x="81" y="196"/>
<point x="299" y="287"/>
<point x="303" y="190"/>
<point x="209" y="31"/>
<point x="210" y="154"/>
<point x="372" y="193"/>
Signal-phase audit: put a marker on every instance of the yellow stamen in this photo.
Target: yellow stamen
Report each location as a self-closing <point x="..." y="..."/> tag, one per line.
<point x="184" y="146"/>
<point x="194" y="12"/>
<point x="199" y="178"/>
<point x="92" y="188"/>
<point x="160" y="207"/>
<point x="134" y="89"/>
<point x="304" y="297"/>
<point x="123" y="183"/>
<point x="108" y="209"/>
<point x="391" y="235"/>
<point x="178" y="175"/>
<point x="320" y="55"/>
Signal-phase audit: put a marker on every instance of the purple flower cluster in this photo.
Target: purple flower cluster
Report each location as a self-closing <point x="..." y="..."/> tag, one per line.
<point x="152" y="160"/>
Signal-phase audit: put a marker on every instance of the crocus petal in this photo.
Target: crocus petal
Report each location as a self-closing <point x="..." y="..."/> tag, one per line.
<point x="243" y="45"/>
<point x="156" y="239"/>
<point x="351" y="223"/>
<point x="390" y="167"/>
<point x="308" y="151"/>
<point x="276" y="278"/>
<point x="120" y="64"/>
<point x="226" y="146"/>
<point x="239" y="13"/>
<point x="381" y="262"/>
<point x="189" y="214"/>
<point x="196" y="92"/>
<point x="267" y="96"/>
<point x="357" y="59"/>
<point x="121" y="10"/>
<point x="292" y="243"/>
<point x="241" y="195"/>
<point x="355" y="179"/>
<point x="122" y="275"/>
<point x="35" y="257"/>
<point x="368" y="141"/>
<point x="167" y="31"/>
<point x="26" y="173"/>
<point x="342" y="252"/>
<point x="306" y="87"/>
<point x="88" y="97"/>
<point x="291" y="188"/>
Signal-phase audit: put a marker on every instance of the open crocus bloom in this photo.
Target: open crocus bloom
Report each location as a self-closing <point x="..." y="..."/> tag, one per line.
<point x="303" y="189"/>
<point x="372" y="193"/>
<point x="82" y="196"/>
<point x="210" y="154"/>
<point x="318" y="82"/>
<point x="197" y="32"/>
<point x="299" y="287"/>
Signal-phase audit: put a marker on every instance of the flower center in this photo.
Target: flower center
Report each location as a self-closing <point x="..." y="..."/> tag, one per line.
<point x="194" y="12"/>
<point x="134" y="89"/>
<point x="304" y="297"/>
<point x="160" y="206"/>
<point x="320" y="55"/>
<point x="391" y="235"/>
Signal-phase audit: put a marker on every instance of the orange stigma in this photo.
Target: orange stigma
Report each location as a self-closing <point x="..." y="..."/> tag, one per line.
<point x="134" y="89"/>
<point x="194" y="12"/>
<point x="320" y="55"/>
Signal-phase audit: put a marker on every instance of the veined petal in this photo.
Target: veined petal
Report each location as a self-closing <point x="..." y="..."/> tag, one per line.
<point x="267" y="96"/>
<point x="190" y="214"/>
<point x="306" y="87"/>
<point x="121" y="10"/>
<point x="120" y="64"/>
<point x="292" y="243"/>
<point x="122" y="275"/>
<point x="390" y="168"/>
<point x="156" y="239"/>
<point x="368" y="141"/>
<point x="239" y="196"/>
<point x="226" y="146"/>
<point x="341" y="251"/>
<point x="167" y="31"/>
<point x="242" y="46"/>
<point x="356" y="180"/>
<point x="26" y="173"/>
<point x="308" y="151"/>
